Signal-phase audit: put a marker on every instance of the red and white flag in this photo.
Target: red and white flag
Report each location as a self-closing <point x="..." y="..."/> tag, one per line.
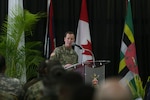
<point x="83" y="37"/>
<point x="51" y="27"/>
<point x="49" y="45"/>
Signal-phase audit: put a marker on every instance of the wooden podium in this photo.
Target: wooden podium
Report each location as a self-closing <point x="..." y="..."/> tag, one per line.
<point x="91" y="69"/>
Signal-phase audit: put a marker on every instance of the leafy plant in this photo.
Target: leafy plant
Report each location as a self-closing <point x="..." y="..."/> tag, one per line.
<point x="20" y="57"/>
<point x="136" y="87"/>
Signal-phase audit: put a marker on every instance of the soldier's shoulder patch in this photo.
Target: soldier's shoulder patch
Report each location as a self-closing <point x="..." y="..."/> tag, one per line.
<point x="53" y="54"/>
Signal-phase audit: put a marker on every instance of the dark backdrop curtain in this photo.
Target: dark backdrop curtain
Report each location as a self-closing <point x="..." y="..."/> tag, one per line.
<point x="106" y="23"/>
<point x="141" y="19"/>
<point x="3" y="11"/>
<point x="36" y="6"/>
<point x="106" y="20"/>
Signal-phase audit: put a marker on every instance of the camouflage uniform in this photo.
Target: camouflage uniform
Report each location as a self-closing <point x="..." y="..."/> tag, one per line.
<point x="35" y="91"/>
<point x="7" y="96"/>
<point x="11" y="86"/>
<point x="64" y="55"/>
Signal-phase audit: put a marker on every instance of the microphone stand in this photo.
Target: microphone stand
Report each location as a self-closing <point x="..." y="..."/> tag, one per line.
<point x="83" y="49"/>
<point x="93" y="57"/>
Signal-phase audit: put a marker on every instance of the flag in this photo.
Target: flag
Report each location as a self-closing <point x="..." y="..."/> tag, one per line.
<point x="83" y="35"/>
<point x="50" y="44"/>
<point x="128" y="67"/>
<point x="128" y="60"/>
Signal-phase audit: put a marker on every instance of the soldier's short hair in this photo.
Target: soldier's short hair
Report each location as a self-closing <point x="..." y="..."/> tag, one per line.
<point x="2" y="63"/>
<point x="68" y="32"/>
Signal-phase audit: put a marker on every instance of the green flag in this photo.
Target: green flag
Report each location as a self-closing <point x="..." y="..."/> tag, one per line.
<point x="128" y="61"/>
<point x="128" y="67"/>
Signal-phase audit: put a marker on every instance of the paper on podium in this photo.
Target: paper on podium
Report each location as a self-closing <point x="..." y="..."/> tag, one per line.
<point x="74" y="65"/>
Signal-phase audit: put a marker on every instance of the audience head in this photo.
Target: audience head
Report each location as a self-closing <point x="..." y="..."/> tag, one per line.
<point x="85" y="92"/>
<point x="2" y="64"/>
<point x="112" y="89"/>
<point x="69" y="39"/>
<point x="42" y="69"/>
<point x="71" y="81"/>
<point x="55" y="70"/>
<point x="51" y="82"/>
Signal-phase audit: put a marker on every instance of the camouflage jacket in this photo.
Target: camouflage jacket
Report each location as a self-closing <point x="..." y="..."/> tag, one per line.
<point x="35" y="91"/>
<point x="64" y="55"/>
<point x="11" y="86"/>
<point x="7" y="96"/>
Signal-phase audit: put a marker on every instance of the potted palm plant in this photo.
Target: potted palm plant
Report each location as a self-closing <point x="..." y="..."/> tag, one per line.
<point x="136" y="87"/>
<point x="20" y="58"/>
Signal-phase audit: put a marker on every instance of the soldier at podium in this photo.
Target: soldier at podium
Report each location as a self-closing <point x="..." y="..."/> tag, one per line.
<point x="65" y="53"/>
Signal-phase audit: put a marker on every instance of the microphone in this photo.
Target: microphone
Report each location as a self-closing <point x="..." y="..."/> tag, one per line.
<point x="73" y="44"/>
<point x="83" y="49"/>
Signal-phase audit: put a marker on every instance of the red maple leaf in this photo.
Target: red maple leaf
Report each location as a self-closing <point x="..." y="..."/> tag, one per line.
<point x="87" y="48"/>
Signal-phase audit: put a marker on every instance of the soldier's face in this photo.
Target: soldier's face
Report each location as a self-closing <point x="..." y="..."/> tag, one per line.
<point x="69" y="39"/>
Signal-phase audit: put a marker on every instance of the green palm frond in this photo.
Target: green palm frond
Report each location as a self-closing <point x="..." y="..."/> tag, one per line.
<point x="31" y="19"/>
<point x="136" y="87"/>
<point x="32" y="55"/>
<point x="18" y="57"/>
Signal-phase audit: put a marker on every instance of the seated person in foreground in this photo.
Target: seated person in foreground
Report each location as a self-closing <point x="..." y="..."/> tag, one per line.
<point x="9" y="85"/>
<point x="34" y="88"/>
<point x="52" y="81"/>
<point x="65" y="53"/>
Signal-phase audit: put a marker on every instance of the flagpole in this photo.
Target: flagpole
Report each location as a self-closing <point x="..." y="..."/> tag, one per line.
<point x="46" y="44"/>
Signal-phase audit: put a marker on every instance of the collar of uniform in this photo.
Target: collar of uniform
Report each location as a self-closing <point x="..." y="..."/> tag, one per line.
<point x="70" y="50"/>
<point x="65" y="48"/>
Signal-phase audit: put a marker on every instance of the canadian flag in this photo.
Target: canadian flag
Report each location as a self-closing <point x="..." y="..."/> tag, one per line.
<point x="83" y="37"/>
